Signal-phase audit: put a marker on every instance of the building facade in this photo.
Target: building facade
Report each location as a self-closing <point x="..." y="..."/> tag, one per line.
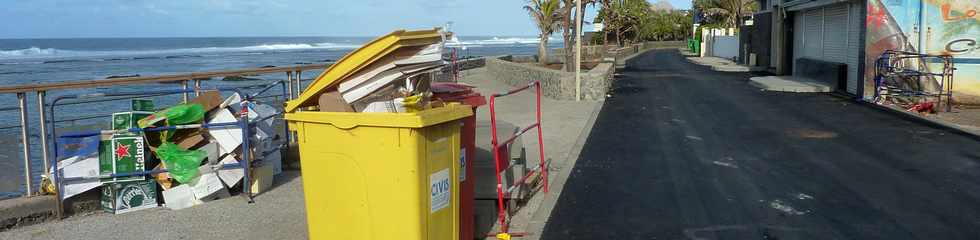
<point x="856" y="32"/>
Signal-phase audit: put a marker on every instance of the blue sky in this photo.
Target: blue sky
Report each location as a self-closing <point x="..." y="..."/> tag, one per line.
<point x="200" y="18"/>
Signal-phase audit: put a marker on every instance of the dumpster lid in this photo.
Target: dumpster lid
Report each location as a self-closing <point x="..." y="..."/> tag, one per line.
<point x="360" y="58"/>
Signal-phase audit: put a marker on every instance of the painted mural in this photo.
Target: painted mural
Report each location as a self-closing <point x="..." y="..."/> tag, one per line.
<point x="931" y="27"/>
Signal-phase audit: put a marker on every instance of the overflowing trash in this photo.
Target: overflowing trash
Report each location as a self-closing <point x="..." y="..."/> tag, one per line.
<point x="395" y="83"/>
<point x="178" y="157"/>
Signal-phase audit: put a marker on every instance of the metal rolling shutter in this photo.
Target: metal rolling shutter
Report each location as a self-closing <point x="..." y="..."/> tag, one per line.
<point x="835" y="33"/>
<point x="853" y="48"/>
<point x="797" y="38"/>
<point x="813" y="35"/>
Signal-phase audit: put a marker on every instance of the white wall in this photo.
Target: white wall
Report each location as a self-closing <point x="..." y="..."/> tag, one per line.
<point x="725" y="47"/>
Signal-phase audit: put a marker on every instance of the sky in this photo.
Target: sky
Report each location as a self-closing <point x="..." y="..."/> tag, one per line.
<point x="238" y="18"/>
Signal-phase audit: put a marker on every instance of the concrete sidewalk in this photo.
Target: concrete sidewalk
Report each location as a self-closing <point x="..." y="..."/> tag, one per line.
<point x="280" y="213"/>
<point x="564" y="123"/>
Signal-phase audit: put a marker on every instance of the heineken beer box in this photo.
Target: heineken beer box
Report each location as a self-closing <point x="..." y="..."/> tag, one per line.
<point x="145" y="105"/>
<point x="125" y="153"/>
<point x="127" y="120"/>
<point x="129" y="196"/>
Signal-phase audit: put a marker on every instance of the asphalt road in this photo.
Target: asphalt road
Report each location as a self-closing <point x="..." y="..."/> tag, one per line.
<point x="682" y="152"/>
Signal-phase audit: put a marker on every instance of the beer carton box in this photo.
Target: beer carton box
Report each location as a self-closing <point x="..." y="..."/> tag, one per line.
<point x="124" y="153"/>
<point x="127" y="197"/>
<point x="127" y="120"/>
<point x="144" y="105"/>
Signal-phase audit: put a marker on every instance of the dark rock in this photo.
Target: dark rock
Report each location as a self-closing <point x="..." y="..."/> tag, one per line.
<point x="239" y="78"/>
<point x="122" y="76"/>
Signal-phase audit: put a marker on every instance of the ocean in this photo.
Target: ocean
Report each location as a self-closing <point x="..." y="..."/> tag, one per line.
<point x="29" y="61"/>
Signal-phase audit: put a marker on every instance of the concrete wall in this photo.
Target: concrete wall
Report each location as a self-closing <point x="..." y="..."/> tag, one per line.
<point x="725" y="47"/>
<point x="595" y="53"/>
<point x="554" y="83"/>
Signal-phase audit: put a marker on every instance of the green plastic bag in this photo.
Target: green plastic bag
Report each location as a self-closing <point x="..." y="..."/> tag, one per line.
<point x="184" y="114"/>
<point x="182" y="163"/>
<point x="176" y="115"/>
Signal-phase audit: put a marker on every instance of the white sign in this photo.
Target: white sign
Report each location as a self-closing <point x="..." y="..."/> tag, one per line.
<point x="462" y="164"/>
<point x="439" y="192"/>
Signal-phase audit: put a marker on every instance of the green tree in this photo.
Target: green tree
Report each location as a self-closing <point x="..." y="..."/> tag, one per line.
<point x="545" y="15"/>
<point x="726" y="12"/>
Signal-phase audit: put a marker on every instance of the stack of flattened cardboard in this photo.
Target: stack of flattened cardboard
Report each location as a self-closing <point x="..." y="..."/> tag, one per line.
<point x="397" y="82"/>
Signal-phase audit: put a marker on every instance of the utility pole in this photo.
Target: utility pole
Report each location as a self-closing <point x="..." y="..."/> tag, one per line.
<point x="578" y="50"/>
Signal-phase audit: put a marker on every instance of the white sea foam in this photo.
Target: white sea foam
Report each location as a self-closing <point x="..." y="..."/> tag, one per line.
<point x="40" y="53"/>
<point x="32" y="51"/>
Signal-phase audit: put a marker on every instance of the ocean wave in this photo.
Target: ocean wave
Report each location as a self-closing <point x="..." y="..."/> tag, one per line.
<point x="40" y="53"/>
<point x="32" y="51"/>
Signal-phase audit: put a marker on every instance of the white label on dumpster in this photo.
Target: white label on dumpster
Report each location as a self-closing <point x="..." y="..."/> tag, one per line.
<point x="462" y="164"/>
<point x="439" y="190"/>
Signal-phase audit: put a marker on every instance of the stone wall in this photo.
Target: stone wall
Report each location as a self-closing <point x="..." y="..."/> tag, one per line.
<point x="554" y="83"/>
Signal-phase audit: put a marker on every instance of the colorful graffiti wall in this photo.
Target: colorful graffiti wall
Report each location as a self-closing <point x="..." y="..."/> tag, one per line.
<point x="931" y="27"/>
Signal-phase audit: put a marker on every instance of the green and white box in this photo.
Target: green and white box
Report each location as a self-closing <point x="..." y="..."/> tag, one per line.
<point x="128" y="153"/>
<point x="143" y="105"/>
<point x="129" y="196"/>
<point x="127" y="120"/>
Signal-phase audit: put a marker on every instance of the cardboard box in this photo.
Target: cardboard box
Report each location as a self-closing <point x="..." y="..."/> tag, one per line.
<point x="262" y="178"/>
<point x="273" y="157"/>
<point x="233" y="176"/>
<point x="83" y="160"/>
<point x="333" y="102"/>
<point x="129" y="196"/>
<point x="79" y="166"/>
<point x="145" y="105"/>
<point x="164" y="179"/>
<point x="214" y="153"/>
<point x="209" y="100"/>
<point x="190" y="139"/>
<point x="228" y="137"/>
<point x="127" y="120"/>
<point x="128" y="153"/>
<point x="180" y="197"/>
<point x="265" y="112"/>
<point x="207" y="186"/>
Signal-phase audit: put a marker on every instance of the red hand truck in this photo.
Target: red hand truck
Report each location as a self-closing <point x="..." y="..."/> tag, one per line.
<point x="541" y="169"/>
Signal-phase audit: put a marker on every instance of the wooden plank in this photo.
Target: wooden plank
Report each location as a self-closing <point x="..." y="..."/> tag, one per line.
<point x="153" y="79"/>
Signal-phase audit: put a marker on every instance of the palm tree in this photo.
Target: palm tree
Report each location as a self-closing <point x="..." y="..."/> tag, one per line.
<point x="567" y="24"/>
<point x="546" y="15"/>
<point x="731" y="10"/>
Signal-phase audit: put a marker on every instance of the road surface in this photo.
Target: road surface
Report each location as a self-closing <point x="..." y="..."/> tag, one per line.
<point x="682" y="152"/>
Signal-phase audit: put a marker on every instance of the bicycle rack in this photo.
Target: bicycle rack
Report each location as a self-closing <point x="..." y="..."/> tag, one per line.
<point x="905" y="66"/>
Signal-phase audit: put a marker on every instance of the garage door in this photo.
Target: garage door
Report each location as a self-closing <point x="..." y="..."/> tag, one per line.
<point x="830" y="33"/>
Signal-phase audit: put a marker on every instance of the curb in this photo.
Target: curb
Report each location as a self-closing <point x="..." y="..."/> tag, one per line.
<point x="543" y="213"/>
<point x="921" y="120"/>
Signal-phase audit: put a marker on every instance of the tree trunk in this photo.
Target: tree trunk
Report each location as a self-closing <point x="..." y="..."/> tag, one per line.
<point x="543" y="50"/>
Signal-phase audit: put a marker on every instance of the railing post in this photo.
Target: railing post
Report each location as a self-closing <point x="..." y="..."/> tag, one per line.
<point x="184" y="86"/>
<point x="289" y="85"/>
<point x="197" y="87"/>
<point x="43" y="117"/>
<point x="25" y="141"/>
<point x="299" y="82"/>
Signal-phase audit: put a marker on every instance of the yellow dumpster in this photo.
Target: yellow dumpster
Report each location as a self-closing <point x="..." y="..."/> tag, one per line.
<point x="378" y="175"/>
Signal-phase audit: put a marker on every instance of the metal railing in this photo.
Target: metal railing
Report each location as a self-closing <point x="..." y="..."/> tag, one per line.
<point x="293" y="78"/>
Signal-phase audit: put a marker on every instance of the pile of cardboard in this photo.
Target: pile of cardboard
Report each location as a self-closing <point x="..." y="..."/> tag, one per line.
<point x="398" y="82"/>
<point x="93" y="157"/>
